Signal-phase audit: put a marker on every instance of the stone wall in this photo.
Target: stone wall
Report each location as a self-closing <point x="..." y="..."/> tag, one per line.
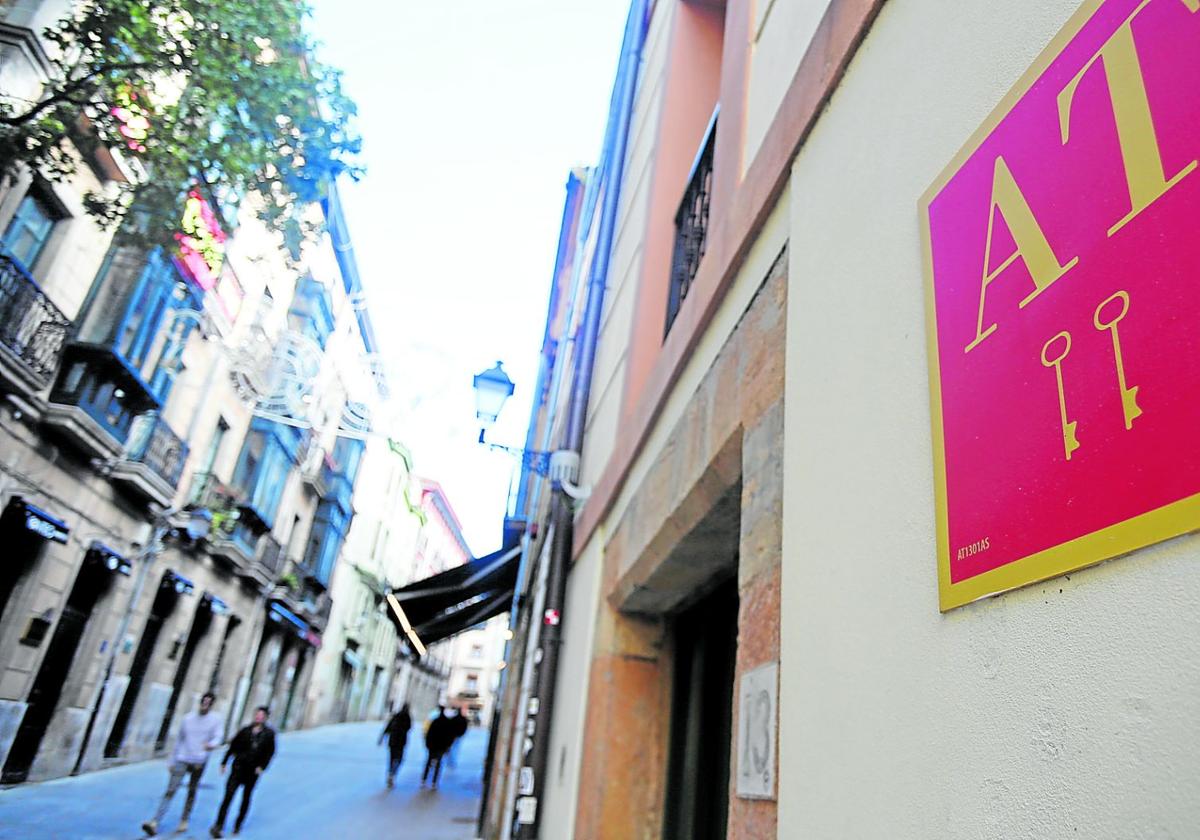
<point x="712" y="498"/>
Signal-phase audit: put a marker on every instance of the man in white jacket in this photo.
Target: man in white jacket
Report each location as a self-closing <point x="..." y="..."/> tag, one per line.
<point x="199" y="734"/>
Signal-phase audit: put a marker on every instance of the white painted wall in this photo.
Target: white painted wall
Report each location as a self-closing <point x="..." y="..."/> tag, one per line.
<point x="1066" y="709"/>
<point x="780" y="34"/>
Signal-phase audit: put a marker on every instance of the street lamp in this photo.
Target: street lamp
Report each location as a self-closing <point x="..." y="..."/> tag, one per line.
<point x="492" y="390"/>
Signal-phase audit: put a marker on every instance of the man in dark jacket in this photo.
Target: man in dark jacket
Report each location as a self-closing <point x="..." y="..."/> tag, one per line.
<point x="396" y="733"/>
<point x="251" y="750"/>
<point x="437" y="740"/>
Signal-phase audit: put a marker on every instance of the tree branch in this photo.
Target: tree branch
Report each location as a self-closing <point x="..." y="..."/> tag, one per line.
<point x="69" y="90"/>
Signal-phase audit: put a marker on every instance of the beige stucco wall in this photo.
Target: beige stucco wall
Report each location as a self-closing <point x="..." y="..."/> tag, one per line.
<point x="779" y="35"/>
<point x="560" y="799"/>
<point x="1066" y="709"/>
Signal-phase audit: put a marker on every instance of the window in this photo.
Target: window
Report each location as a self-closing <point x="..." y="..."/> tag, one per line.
<point x="262" y="469"/>
<point x="347" y="453"/>
<point x="477" y="651"/>
<point x="691" y="225"/>
<point x="325" y="540"/>
<point x="134" y="308"/>
<point x="140" y="326"/>
<point x="472" y="683"/>
<point x="311" y="312"/>
<point x="30" y="229"/>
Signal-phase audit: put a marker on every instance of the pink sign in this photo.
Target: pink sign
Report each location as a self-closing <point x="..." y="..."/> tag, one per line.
<point x="201" y="241"/>
<point x="1063" y="260"/>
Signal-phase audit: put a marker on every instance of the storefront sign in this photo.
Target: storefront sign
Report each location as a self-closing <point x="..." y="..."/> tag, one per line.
<point x="1063" y="262"/>
<point x="111" y="560"/>
<point x="36" y="520"/>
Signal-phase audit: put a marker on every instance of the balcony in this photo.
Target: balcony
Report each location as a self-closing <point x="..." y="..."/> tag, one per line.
<point x="95" y="399"/>
<point x="691" y="226"/>
<point x="153" y="460"/>
<point x="267" y="562"/>
<point x="237" y="544"/>
<point x="210" y="492"/>
<point x="304" y="596"/>
<point x="32" y="330"/>
<point x="316" y="609"/>
<point x="237" y="530"/>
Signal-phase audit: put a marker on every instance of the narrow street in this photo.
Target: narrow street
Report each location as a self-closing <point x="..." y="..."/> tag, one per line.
<point x="324" y="783"/>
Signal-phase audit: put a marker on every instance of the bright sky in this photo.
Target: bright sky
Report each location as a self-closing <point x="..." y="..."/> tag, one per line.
<point x="472" y="113"/>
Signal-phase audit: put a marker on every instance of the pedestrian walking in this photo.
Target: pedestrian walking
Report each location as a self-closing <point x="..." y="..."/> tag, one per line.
<point x="458" y="726"/>
<point x="199" y="734"/>
<point x="251" y="751"/>
<point x="437" y="740"/>
<point x="396" y="733"/>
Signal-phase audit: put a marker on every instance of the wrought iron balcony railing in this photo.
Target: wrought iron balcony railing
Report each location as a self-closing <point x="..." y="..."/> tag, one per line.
<point x="31" y="327"/>
<point x="691" y="225"/>
<point x="154" y="444"/>
<point x="210" y="492"/>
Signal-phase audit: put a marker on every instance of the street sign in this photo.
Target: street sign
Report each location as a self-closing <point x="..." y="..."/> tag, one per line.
<point x="1062" y="261"/>
<point x="757" y="724"/>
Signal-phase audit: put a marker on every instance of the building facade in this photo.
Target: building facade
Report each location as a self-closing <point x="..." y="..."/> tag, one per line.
<point x="180" y="436"/>
<point x="751" y="606"/>
<point x="476" y="659"/>
<point x="364" y="671"/>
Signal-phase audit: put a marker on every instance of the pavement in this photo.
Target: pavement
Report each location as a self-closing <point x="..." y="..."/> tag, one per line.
<point x="325" y="784"/>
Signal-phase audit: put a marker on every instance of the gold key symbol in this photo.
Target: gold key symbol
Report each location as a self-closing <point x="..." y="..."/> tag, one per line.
<point x="1070" y="442"/>
<point x="1128" y="395"/>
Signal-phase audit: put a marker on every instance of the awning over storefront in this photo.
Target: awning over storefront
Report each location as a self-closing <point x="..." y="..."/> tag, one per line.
<point x="455" y="600"/>
<point x="281" y="615"/>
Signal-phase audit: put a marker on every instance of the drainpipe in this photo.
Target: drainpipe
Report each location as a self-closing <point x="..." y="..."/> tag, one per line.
<point x="533" y="773"/>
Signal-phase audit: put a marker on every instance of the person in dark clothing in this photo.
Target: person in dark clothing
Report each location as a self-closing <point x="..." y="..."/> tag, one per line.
<point x="396" y="733"/>
<point x="251" y="750"/>
<point x="458" y="723"/>
<point x="437" y="740"/>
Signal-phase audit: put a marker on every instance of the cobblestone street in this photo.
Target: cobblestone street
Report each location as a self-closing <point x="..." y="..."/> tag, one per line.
<point x="324" y="783"/>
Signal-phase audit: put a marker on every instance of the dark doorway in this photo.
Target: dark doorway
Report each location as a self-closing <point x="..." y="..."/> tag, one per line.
<point x="200" y="624"/>
<point x="345" y="685"/>
<point x="47" y="687"/>
<point x="164" y="604"/>
<point x="23" y="548"/>
<point x="214" y="681"/>
<point x="24" y="530"/>
<point x="297" y="674"/>
<point x="697" y="792"/>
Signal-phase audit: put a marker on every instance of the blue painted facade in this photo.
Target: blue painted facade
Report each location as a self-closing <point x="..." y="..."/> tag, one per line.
<point x="335" y="510"/>
<point x="122" y="359"/>
<point x="270" y="451"/>
<point x="311" y="312"/>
